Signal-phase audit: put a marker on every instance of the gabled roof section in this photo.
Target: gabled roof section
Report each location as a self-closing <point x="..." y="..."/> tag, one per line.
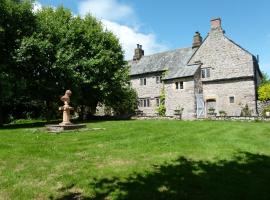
<point x="180" y="72"/>
<point x="174" y="61"/>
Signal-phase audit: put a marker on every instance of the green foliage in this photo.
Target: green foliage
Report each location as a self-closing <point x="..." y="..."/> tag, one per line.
<point x="68" y="52"/>
<point x="245" y="112"/>
<point x="266" y="109"/>
<point x="161" y="109"/>
<point x="222" y="113"/>
<point x="265" y="78"/>
<point x="16" y="22"/>
<point x="124" y="101"/>
<point x="264" y="92"/>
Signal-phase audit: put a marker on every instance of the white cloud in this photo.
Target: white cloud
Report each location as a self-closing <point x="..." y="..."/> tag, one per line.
<point x="111" y="13"/>
<point x="129" y="37"/>
<point x="106" y="9"/>
<point x="36" y="6"/>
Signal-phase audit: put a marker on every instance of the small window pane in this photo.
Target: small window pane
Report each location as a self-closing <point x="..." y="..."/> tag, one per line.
<point x="181" y="85"/>
<point x="176" y="85"/>
<point x="208" y="72"/>
<point x="231" y="99"/>
<point x="203" y="73"/>
<point x="144" y="81"/>
<point x="148" y="102"/>
<point x="157" y="79"/>
<point x="157" y="101"/>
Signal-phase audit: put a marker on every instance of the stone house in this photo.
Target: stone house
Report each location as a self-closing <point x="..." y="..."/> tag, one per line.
<point x="214" y="74"/>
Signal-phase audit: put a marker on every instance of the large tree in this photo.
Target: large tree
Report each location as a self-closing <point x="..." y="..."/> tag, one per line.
<point x="70" y="52"/>
<point x="16" y="22"/>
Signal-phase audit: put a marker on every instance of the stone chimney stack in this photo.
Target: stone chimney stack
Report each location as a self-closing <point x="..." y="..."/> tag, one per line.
<point x="197" y="40"/>
<point x="216" y="23"/>
<point x="138" y="52"/>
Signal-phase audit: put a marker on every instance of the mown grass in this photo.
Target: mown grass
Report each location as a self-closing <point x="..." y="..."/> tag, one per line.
<point x="138" y="160"/>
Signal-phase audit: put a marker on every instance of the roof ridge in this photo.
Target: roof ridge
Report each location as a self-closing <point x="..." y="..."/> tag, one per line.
<point x="164" y="52"/>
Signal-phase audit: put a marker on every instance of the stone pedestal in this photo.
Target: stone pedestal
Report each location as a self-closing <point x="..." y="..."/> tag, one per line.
<point x="65" y="124"/>
<point x="59" y="128"/>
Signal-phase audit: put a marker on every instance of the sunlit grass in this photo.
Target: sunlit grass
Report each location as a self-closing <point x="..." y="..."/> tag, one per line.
<point x="38" y="165"/>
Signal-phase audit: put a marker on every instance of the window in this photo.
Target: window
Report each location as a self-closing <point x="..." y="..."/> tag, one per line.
<point x="158" y="79"/>
<point x="179" y="85"/>
<point x="142" y="81"/>
<point x="231" y="99"/>
<point x="144" y="102"/>
<point x="205" y="73"/>
<point x="157" y="101"/>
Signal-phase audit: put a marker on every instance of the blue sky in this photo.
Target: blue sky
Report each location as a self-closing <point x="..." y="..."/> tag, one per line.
<point x="171" y="24"/>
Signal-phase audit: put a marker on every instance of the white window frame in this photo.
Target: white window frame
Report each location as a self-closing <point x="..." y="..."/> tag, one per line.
<point x="179" y="85"/>
<point x="205" y="72"/>
<point x="144" y="102"/>
<point x="143" y="81"/>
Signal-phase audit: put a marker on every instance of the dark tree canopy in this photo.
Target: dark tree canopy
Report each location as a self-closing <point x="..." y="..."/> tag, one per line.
<point x="16" y="22"/>
<point x="60" y="51"/>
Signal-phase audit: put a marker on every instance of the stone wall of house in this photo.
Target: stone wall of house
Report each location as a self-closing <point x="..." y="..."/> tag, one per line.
<point x="184" y="98"/>
<point x="151" y="90"/>
<point x="227" y="63"/>
<point x="261" y="105"/>
<point x="223" y="57"/>
<point x="221" y="91"/>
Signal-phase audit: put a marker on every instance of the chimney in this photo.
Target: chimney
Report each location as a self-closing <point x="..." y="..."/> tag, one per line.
<point x="197" y="40"/>
<point x="216" y="23"/>
<point x="138" y="52"/>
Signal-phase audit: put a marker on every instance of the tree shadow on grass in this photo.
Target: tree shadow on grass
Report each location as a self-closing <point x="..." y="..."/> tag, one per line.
<point x="24" y="125"/>
<point x="247" y="176"/>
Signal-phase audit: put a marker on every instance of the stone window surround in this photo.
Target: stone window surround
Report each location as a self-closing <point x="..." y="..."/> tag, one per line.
<point x="205" y="72"/>
<point x="179" y="85"/>
<point x="144" y="102"/>
<point x="231" y="99"/>
<point x="157" y="101"/>
<point x="143" y="81"/>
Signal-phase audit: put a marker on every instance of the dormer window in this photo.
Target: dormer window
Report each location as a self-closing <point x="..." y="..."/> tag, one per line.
<point x="142" y="81"/>
<point x="205" y="72"/>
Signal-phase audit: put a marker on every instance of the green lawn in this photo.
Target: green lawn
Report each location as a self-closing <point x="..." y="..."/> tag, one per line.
<point x="138" y="160"/>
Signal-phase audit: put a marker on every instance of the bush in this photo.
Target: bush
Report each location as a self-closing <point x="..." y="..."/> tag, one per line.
<point x="161" y="109"/>
<point x="264" y="92"/>
<point x="266" y="109"/>
<point x="222" y="113"/>
<point x="246" y="112"/>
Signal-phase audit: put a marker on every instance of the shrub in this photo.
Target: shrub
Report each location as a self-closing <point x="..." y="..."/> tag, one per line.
<point x="222" y="113"/>
<point x="161" y="109"/>
<point x="264" y="92"/>
<point x="266" y="109"/>
<point x="245" y="112"/>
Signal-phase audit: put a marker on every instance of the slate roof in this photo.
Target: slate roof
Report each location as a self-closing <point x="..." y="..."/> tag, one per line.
<point x="174" y="61"/>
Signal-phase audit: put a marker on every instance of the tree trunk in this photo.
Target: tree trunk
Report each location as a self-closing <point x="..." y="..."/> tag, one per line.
<point x="1" y="116"/>
<point x="48" y="111"/>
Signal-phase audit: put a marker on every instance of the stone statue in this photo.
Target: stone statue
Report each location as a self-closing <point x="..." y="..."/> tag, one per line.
<point x="66" y="108"/>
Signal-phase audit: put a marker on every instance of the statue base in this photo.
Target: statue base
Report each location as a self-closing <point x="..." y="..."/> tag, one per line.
<point x="64" y="127"/>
